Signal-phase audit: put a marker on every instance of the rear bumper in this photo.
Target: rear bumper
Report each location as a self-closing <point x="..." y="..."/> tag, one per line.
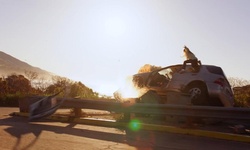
<point x="215" y="90"/>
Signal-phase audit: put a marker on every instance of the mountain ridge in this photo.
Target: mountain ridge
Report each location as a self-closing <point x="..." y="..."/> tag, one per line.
<point x="11" y="65"/>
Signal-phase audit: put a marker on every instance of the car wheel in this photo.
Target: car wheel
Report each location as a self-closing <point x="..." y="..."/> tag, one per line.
<point x="198" y="94"/>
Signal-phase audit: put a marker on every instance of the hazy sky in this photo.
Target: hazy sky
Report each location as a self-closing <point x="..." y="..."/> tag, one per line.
<point x="100" y="42"/>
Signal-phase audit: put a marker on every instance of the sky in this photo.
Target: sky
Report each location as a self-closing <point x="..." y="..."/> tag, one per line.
<point x="101" y="42"/>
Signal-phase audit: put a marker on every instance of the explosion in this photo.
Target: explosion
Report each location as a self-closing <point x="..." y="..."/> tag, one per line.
<point x="129" y="90"/>
<point x="133" y="87"/>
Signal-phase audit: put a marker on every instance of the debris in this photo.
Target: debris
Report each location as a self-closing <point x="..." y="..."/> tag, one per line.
<point x="240" y="129"/>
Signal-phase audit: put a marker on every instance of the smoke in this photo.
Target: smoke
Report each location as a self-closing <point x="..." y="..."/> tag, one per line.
<point x="148" y="68"/>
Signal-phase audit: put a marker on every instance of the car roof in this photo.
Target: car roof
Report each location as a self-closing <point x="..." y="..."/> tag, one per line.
<point x="188" y="65"/>
<point x="176" y="65"/>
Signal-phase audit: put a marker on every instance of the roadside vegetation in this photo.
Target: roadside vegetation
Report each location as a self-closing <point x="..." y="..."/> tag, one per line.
<point x="15" y="87"/>
<point x="241" y="88"/>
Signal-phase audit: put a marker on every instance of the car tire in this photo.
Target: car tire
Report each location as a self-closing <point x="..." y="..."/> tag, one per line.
<point x="198" y="94"/>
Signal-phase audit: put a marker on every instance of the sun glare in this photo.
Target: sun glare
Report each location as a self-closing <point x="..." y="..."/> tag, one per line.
<point x="129" y="90"/>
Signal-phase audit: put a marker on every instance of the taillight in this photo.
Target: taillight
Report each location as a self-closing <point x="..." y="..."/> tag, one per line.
<point x="220" y="81"/>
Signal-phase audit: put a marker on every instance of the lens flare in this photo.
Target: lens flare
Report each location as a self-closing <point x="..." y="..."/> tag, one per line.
<point x="135" y="125"/>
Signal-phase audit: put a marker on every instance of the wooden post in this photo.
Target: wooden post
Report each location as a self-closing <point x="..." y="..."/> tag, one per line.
<point x="127" y="117"/>
<point x="78" y="112"/>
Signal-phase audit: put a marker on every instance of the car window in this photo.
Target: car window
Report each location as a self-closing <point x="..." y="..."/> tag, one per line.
<point x="215" y="70"/>
<point x="168" y="72"/>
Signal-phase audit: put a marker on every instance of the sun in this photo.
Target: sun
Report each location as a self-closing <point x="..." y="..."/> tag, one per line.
<point x="115" y="26"/>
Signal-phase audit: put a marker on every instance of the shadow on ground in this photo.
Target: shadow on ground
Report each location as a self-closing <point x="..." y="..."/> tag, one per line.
<point x="150" y="140"/>
<point x="19" y="126"/>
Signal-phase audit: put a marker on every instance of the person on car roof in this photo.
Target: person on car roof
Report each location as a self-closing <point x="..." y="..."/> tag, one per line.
<point x="190" y="58"/>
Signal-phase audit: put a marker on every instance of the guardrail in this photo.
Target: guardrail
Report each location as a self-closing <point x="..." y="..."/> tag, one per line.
<point x="159" y="109"/>
<point x="142" y="108"/>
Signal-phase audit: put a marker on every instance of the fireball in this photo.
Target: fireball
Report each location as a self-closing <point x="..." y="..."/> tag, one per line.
<point x="129" y="90"/>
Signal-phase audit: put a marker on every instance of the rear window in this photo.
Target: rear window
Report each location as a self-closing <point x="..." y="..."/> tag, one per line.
<point x="215" y="70"/>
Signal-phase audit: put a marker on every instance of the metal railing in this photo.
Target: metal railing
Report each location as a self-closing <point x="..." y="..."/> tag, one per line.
<point x="159" y="109"/>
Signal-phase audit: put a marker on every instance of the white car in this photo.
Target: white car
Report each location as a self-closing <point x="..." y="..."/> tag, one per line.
<point x="206" y="86"/>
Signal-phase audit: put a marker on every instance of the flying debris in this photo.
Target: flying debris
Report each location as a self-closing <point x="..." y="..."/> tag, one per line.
<point x="44" y="107"/>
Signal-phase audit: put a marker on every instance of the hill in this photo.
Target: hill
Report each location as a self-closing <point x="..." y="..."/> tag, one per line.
<point x="11" y="65"/>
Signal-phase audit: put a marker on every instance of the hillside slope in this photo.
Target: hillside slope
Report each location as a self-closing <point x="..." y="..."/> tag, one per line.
<point x="11" y="65"/>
